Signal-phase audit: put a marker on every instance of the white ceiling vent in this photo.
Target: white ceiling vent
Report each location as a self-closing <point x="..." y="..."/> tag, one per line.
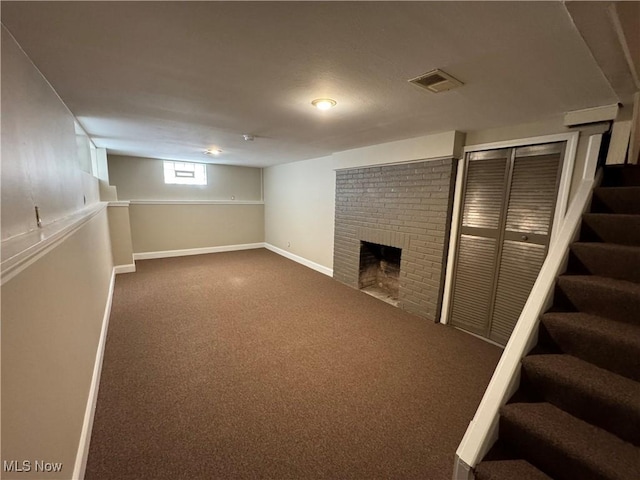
<point x="436" y="81"/>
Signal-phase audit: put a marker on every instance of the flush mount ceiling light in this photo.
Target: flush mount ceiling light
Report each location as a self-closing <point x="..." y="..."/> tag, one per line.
<point x="324" y="103"/>
<point x="213" y="151"/>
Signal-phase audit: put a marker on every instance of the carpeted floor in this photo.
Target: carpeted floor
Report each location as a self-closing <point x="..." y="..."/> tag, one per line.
<point x="247" y="365"/>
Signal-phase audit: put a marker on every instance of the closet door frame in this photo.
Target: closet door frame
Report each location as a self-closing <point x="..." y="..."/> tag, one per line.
<point x="562" y="199"/>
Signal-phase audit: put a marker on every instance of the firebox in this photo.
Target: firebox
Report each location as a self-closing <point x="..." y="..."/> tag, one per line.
<point x="380" y="271"/>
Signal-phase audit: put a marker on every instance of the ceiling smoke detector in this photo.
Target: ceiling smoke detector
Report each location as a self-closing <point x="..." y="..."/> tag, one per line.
<point x="436" y="81"/>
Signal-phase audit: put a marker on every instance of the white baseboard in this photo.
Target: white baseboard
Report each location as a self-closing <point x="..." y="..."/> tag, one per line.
<point x="307" y="263"/>
<point x="131" y="268"/>
<point x="89" y="413"/>
<point x="195" y="251"/>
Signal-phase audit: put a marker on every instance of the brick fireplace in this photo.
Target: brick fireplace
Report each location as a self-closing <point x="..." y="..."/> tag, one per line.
<point x="391" y="232"/>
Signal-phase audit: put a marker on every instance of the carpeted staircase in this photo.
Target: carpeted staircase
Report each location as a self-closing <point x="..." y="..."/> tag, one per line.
<point x="576" y="414"/>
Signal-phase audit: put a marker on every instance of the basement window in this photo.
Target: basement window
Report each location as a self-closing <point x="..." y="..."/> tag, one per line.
<point x="182" y="173"/>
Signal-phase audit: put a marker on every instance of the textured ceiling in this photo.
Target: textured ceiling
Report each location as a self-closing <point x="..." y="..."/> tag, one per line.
<point x="171" y="79"/>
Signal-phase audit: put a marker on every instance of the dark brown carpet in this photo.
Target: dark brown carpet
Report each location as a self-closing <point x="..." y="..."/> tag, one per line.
<point x="248" y="365"/>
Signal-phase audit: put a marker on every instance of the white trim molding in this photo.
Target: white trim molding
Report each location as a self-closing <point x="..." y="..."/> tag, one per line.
<point x="21" y="251"/>
<point x="195" y="251"/>
<point x="119" y="203"/>
<point x="605" y="113"/>
<point x="390" y="164"/>
<point x="131" y="268"/>
<point x="301" y="260"/>
<point x="90" y="410"/>
<point x="524" y="142"/>
<point x="453" y="235"/>
<point x="196" y="202"/>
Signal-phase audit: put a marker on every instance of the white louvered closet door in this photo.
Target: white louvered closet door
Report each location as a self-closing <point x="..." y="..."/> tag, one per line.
<point x="507" y="212"/>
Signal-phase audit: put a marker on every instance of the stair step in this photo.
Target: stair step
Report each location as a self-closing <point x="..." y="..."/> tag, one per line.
<point x="565" y="447"/>
<point x="508" y="470"/>
<point x="594" y="338"/>
<point x="605" y="297"/>
<point x="621" y="175"/>
<point x="618" y="228"/>
<point x="607" y="260"/>
<point x="616" y="200"/>
<point x="600" y="397"/>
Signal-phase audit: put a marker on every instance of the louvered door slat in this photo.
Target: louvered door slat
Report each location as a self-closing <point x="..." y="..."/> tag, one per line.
<point x="484" y="193"/>
<point x="532" y="200"/>
<point x="474" y="281"/>
<point x="533" y="194"/>
<point x="519" y="266"/>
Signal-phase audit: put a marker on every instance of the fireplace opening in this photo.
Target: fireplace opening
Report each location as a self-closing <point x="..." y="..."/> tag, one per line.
<point x="380" y="271"/>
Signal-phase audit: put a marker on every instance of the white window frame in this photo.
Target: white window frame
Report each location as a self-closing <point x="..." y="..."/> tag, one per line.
<point x="184" y="173"/>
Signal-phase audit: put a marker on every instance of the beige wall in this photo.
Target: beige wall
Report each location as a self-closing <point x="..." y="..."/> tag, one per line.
<point x="52" y="310"/>
<point x="51" y="320"/>
<point x="44" y="159"/>
<point x="189" y="216"/>
<point x="439" y="145"/>
<point x="299" y="208"/>
<point x="300" y="196"/>
<point x="143" y="179"/>
<point x="628" y="13"/>
<point x="159" y="228"/>
<point x="120" y="231"/>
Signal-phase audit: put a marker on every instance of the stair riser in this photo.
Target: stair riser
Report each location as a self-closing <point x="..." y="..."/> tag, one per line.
<point x="543" y="455"/>
<point x="609" y="303"/>
<point x="592" y="348"/>
<point x="616" y="417"/>
<point x="623" y="230"/>
<point x="594" y="259"/>
<point x="628" y="176"/>
<point x="616" y="200"/>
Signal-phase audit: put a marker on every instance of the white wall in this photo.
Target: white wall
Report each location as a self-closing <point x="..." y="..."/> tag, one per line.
<point x="300" y="196"/>
<point x="53" y="303"/>
<point x="45" y="161"/>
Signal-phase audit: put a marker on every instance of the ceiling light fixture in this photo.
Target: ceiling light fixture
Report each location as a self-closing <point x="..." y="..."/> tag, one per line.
<point x="324" y="103"/>
<point x="213" y="151"/>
